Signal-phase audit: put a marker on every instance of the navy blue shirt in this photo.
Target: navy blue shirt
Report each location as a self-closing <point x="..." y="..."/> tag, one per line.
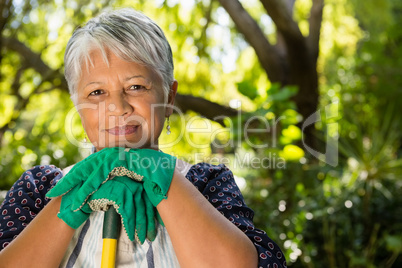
<point x="26" y="199"/>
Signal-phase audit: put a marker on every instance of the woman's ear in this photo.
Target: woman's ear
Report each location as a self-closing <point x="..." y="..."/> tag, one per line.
<point x="171" y="98"/>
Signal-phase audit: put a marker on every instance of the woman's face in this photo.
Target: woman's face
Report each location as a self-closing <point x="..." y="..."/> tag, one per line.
<point x="121" y="103"/>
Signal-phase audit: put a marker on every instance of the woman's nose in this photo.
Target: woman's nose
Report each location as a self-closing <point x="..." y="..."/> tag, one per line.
<point x="118" y="105"/>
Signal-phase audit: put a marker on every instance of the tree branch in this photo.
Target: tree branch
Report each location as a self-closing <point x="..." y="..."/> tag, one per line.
<point x="298" y="54"/>
<point x="206" y="108"/>
<point x="267" y="54"/>
<point x="16" y="83"/>
<point x="202" y="40"/>
<point x="281" y="14"/>
<point x="280" y="40"/>
<point x="315" y="27"/>
<point x="33" y="60"/>
<point x="5" y="11"/>
<point x="5" y="15"/>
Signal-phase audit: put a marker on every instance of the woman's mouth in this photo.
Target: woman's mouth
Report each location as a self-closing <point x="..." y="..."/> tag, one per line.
<point x="123" y="130"/>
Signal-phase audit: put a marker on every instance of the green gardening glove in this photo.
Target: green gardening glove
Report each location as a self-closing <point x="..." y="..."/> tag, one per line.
<point x="153" y="168"/>
<point x="96" y="165"/>
<point x="130" y="201"/>
<point x="74" y="219"/>
<point x="69" y="185"/>
<point x="157" y="169"/>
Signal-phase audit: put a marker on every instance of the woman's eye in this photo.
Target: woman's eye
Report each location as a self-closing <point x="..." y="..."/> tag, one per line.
<point x="96" y="92"/>
<point x="137" y="87"/>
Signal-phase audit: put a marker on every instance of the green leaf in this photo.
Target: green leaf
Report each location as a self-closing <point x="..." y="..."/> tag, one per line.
<point x="394" y="243"/>
<point x="247" y="89"/>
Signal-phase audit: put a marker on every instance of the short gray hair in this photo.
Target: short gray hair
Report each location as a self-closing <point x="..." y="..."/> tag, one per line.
<point x="127" y="33"/>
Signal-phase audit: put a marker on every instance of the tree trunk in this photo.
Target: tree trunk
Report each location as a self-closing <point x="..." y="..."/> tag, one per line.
<point x="296" y="60"/>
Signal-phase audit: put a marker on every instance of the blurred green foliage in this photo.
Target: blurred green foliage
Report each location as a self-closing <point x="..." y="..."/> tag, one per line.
<point x="347" y="215"/>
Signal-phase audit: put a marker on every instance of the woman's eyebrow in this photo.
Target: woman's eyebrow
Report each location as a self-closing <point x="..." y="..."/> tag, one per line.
<point x="93" y="83"/>
<point x="127" y="79"/>
<point x="134" y="76"/>
<point x="147" y="80"/>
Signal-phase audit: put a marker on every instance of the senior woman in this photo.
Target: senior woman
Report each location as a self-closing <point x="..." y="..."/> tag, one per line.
<point x="119" y="70"/>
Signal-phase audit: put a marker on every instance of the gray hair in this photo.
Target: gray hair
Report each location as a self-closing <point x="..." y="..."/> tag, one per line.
<point x="127" y="33"/>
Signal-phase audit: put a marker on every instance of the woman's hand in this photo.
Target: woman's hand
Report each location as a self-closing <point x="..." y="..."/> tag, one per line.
<point x="153" y="168"/>
<point x="130" y="201"/>
<point x="143" y="169"/>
